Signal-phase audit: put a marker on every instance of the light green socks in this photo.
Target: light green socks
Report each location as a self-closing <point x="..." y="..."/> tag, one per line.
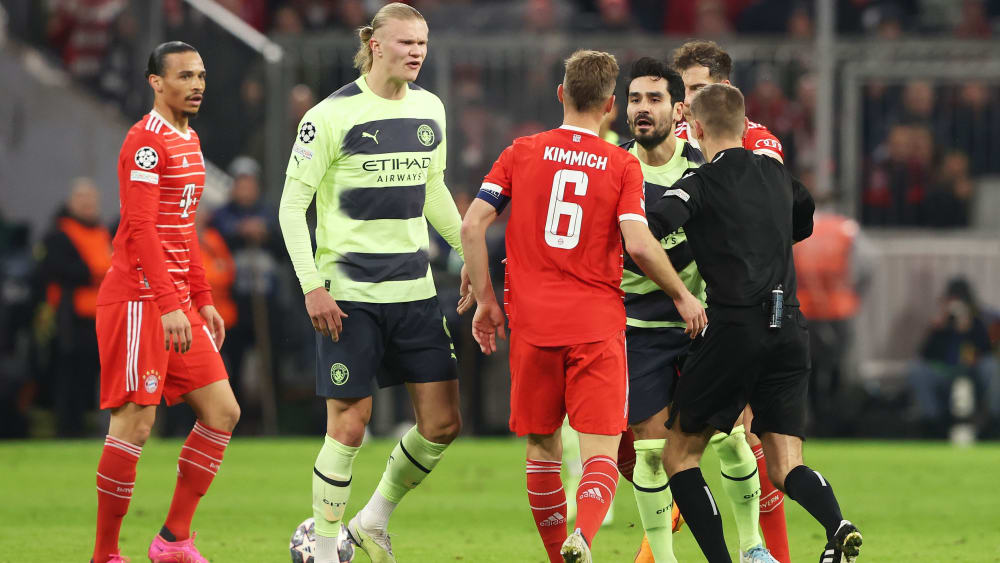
<point x="411" y="460"/>
<point x="741" y="483"/>
<point x="332" y="485"/>
<point x="653" y="497"/>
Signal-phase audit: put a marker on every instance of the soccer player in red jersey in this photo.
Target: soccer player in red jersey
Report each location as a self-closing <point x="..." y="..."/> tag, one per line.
<point x="573" y="197"/>
<point x="701" y="63"/>
<point x="157" y="330"/>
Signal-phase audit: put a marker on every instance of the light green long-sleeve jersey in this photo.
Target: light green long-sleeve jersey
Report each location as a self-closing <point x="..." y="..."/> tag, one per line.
<point x="376" y="168"/>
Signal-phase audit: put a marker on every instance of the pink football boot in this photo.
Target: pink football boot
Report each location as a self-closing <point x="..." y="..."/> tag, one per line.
<point x="183" y="551"/>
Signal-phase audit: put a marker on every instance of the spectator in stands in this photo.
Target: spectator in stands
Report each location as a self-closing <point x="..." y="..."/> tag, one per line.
<point x="76" y="254"/>
<point x="81" y="30"/>
<point x="957" y="345"/>
<point x="541" y="16"/>
<point x="975" y="126"/>
<point x="300" y="100"/>
<point x="767" y="103"/>
<point x="121" y="67"/>
<point x="351" y="14"/>
<point x="288" y="20"/>
<point x="920" y="107"/>
<point x="948" y="201"/>
<point x="800" y="23"/>
<point x="896" y="183"/>
<point x="974" y="22"/>
<point x="800" y="140"/>
<point x="249" y="227"/>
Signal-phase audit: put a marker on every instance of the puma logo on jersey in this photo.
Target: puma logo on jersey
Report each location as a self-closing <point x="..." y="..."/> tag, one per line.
<point x="371" y="136"/>
<point x="593" y="493"/>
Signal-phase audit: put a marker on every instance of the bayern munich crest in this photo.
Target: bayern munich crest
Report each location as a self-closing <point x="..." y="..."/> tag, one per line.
<point x="307" y="133"/>
<point x="146" y="158"/>
<point x="152" y="381"/>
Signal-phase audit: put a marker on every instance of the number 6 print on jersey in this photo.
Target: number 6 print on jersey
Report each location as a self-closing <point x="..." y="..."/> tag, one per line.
<point x="559" y="209"/>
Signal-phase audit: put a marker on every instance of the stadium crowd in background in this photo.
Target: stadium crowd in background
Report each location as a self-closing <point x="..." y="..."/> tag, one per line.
<point x="925" y="144"/>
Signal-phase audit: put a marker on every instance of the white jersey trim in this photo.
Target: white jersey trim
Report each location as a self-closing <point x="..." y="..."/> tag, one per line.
<point x="156" y="114"/>
<point x="632" y="217"/>
<point x="577" y="129"/>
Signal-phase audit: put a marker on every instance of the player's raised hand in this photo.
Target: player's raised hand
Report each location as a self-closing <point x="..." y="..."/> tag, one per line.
<point x="693" y="313"/>
<point x="467" y="300"/>
<point x="176" y="331"/>
<point x="215" y="324"/>
<point x="324" y="313"/>
<point x="487" y="324"/>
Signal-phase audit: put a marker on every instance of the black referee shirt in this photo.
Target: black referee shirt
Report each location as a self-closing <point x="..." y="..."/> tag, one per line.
<point x="741" y="212"/>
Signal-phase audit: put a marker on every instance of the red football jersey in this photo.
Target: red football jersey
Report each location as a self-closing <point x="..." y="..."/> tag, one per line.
<point x="757" y="139"/>
<point x="161" y="174"/>
<point x="568" y="190"/>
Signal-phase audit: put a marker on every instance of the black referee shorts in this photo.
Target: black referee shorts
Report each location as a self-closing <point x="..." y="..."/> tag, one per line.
<point x="387" y="343"/>
<point x="740" y="360"/>
<point x="654" y="356"/>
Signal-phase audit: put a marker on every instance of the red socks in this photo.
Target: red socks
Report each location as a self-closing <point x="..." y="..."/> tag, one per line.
<point x="115" y="480"/>
<point x="626" y="454"/>
<point x="547" y="500"/>
<point x="596" y="492"/>
<point x="200" y="459"/>
<point x="772" y="511"/>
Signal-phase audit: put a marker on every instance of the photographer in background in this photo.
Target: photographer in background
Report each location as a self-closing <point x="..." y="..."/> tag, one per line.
<point x="958" y="345"/>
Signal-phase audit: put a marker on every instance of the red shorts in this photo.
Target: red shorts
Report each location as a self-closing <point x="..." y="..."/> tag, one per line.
<point x="587" y="381"/>
<point x="135" y="367"/>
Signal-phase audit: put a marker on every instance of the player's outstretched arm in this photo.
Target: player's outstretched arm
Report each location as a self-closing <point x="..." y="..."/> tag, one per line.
<point x="489" y="320"/>
<point x="649" y="256"/>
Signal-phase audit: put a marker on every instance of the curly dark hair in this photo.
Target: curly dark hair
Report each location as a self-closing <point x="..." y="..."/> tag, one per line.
<point x="707" y="54"/>
<point x="648" y="66"/>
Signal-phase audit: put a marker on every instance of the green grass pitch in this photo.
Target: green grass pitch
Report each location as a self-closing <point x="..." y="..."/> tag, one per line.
<point x="913" y="502"/>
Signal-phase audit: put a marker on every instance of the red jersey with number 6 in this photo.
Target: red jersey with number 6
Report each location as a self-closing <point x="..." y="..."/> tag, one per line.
<point x="568" y="190"/>
<point x="161" y="174"/>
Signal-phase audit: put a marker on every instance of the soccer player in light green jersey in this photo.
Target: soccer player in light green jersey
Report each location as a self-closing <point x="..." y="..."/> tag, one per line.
<point x="655" y="330"/>
<point x="373" y="155"/>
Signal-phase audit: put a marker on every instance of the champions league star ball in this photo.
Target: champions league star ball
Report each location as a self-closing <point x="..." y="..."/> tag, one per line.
<point x="303" y="544"/>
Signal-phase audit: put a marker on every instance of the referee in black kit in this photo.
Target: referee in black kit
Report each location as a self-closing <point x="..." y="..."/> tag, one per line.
<point x="742" y="213"/>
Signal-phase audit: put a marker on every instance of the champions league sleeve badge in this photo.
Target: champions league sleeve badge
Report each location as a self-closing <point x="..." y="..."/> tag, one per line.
<point x="146" y="158"/>
<point x="307" y="133"/>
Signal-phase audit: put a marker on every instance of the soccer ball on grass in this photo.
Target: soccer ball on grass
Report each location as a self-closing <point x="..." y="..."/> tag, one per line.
<point x="303" y="544"/>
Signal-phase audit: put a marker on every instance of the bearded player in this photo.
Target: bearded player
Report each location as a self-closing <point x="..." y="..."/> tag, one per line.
<point x="701" y="63"/>
<point x="573" y="196"/>
<point x="157" y="331"/>
<point x="657" y="343"/>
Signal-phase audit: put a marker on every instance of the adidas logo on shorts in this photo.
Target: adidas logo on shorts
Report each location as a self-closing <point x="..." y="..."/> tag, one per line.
<point x="593" y="493"/>
<point x="554" y="520"/>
